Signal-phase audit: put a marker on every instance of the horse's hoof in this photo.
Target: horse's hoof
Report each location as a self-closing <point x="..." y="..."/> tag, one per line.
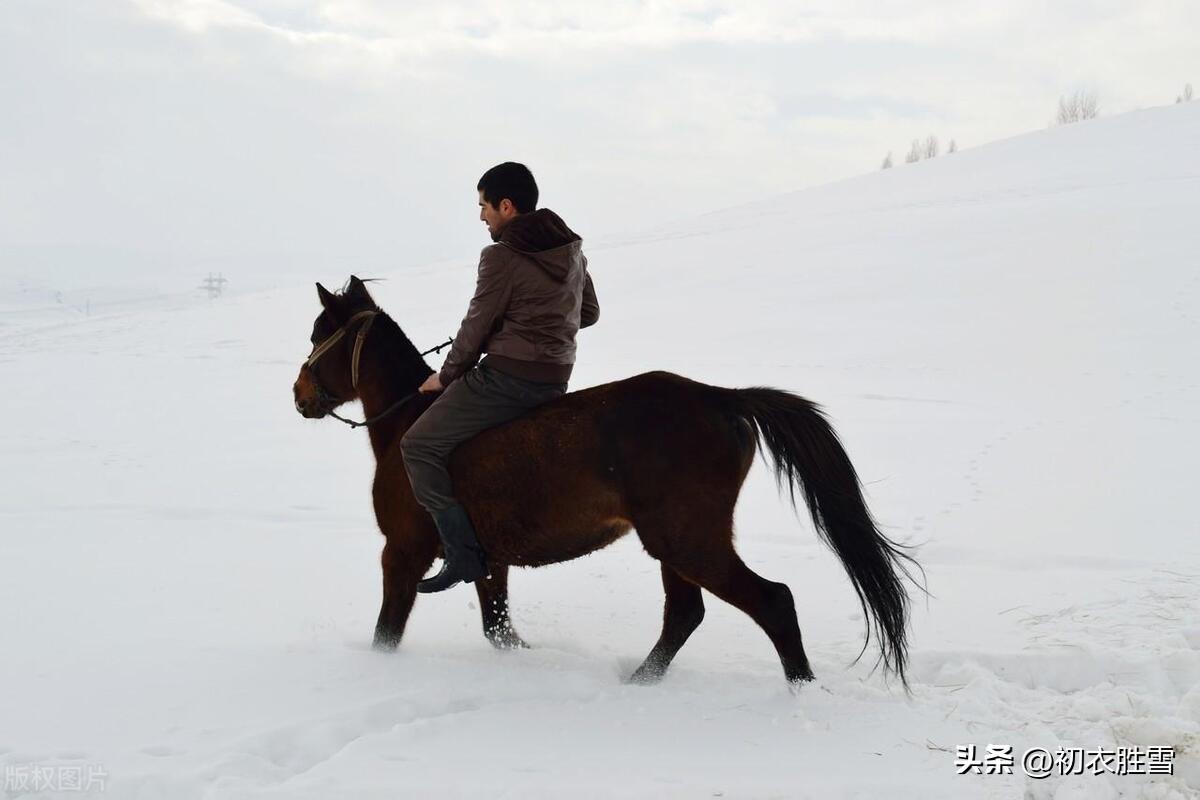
<point x="512" y="642"/>
<point x="385" y="643"/>
<point x="795" y="683"/>
<point x="505" y="638"/>
<point x="644" y="676"/>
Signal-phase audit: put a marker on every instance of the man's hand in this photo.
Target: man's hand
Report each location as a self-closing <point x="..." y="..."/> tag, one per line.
<point x="432" y="385"/>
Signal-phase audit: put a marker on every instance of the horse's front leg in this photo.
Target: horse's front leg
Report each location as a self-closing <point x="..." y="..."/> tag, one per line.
<point x="493" y="608"/>
<point x="402" y="568"/>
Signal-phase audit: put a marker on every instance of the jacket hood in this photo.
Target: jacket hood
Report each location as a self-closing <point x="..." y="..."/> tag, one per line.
<point x="545" y="238"/>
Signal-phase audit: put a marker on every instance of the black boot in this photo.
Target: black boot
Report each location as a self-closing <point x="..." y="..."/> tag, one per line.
<point x="464" y="559"/>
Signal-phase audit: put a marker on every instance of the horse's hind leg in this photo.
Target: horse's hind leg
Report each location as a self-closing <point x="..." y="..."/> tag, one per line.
<point x="682" y="614"/>
<point x="706" y="557"/>
<point x="493" y="608"/>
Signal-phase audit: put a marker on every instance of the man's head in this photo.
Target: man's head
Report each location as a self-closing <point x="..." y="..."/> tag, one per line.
<point x="505" y="191"/>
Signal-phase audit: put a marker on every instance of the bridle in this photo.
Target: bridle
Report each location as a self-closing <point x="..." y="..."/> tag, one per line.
<point x="327" y="399"/>
<point x="325" y="346"/>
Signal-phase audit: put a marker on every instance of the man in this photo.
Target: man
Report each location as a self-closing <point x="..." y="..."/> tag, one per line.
<point x="532" y="295"/>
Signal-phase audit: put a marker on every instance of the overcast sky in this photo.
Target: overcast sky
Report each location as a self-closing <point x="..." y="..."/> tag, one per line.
<point x="196" y="134"/>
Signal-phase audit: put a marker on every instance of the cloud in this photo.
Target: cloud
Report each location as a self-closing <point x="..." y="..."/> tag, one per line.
<point x="304" y="134"/>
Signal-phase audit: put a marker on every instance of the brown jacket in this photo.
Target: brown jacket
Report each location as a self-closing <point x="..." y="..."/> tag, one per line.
<point x="532" y="295"/>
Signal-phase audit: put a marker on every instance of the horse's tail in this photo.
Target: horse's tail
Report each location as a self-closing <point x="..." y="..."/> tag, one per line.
<point x="806" y="453"/>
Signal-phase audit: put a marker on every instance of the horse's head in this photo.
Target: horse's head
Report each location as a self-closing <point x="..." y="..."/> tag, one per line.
<point x="328" y="376"/>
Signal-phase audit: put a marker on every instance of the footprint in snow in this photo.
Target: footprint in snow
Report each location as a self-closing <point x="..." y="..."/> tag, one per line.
<point x="160" y="751"/>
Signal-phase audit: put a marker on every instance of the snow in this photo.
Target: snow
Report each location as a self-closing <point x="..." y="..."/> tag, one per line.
<point x="1006" y="340"/>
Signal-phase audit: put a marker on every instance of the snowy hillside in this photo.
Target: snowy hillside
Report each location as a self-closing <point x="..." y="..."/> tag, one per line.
<point x="1007" y="340"/>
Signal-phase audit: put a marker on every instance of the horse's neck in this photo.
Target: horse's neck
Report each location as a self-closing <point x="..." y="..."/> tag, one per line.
<point x="379" y="391"/>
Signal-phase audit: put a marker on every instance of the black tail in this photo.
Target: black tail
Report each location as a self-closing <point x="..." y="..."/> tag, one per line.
<point x="806" y="451"/>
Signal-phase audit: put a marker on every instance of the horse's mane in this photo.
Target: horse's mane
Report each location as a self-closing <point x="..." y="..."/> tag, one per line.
<point x="405" y="367"/>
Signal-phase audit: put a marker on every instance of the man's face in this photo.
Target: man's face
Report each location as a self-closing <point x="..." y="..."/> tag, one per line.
<point x="496" y="217"/>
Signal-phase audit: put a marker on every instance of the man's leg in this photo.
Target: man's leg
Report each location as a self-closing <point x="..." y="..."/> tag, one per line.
<point x="480" y="399"/>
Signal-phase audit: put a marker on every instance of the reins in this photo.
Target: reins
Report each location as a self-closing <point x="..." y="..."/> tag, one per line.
<point x="334" y="338"/>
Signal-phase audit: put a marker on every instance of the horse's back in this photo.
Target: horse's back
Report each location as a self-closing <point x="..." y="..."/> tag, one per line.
<point x="592" y="421"/>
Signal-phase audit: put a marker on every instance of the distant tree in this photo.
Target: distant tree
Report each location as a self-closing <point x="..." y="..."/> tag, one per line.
<point x="1089" y="108"/>
<point x="930" y="149"/>
<point x="1070" y="110"/>
<point x="1077" y="107"/>
<point x="951" y="148"/>
<point x="887" y="161"/>
<point x="914" y="152"/>
<point x="1186" y="97"/>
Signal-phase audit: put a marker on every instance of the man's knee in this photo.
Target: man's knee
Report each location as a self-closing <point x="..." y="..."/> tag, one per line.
<point x="418" y="445"/>
<point x="413" y="447"/>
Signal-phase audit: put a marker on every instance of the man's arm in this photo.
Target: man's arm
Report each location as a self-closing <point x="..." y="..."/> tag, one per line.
<point x="493" y="288"/>
<point x="590" y="311"/>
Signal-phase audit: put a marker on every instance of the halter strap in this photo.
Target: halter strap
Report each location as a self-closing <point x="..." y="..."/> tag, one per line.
<point x="358" y="344"/>
<point x="325" y="346"/>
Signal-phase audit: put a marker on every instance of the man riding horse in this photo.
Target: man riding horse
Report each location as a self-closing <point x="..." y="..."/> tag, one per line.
<point x="658" y="454"/>
<point x="532" y="294"/>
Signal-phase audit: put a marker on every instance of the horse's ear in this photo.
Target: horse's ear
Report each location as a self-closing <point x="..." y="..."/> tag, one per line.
<point x="328" y="299"/>
<point x="356" y="289"/>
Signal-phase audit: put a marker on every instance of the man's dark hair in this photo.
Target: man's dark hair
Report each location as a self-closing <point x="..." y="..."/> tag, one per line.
<point x="511" y="180"/>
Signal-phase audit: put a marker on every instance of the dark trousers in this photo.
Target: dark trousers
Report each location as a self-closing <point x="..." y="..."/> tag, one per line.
<point x="482" y="398"/>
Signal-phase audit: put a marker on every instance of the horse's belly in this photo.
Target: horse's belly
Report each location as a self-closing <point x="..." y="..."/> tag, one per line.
<point x="535" y="548"/>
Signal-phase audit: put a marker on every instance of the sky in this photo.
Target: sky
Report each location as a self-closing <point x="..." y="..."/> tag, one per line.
<point x="171" y="137"/>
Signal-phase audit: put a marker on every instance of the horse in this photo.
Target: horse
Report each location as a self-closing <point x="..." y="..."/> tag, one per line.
<point x="656" y="453"/>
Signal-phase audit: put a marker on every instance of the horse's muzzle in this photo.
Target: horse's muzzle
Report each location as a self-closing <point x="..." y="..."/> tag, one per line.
<point x="310" y="401"/>
<point x="310" y="410"/>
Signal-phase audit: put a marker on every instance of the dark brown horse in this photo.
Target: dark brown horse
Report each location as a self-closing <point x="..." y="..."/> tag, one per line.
<point x="656" y="453"/>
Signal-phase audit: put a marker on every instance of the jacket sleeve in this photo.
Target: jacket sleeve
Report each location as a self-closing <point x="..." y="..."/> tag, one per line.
<point x="590" y="311"/>
<point x="493" y="288"/>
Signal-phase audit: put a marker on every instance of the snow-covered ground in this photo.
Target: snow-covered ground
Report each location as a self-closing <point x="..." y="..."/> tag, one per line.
<point x="1007" y="340"/>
